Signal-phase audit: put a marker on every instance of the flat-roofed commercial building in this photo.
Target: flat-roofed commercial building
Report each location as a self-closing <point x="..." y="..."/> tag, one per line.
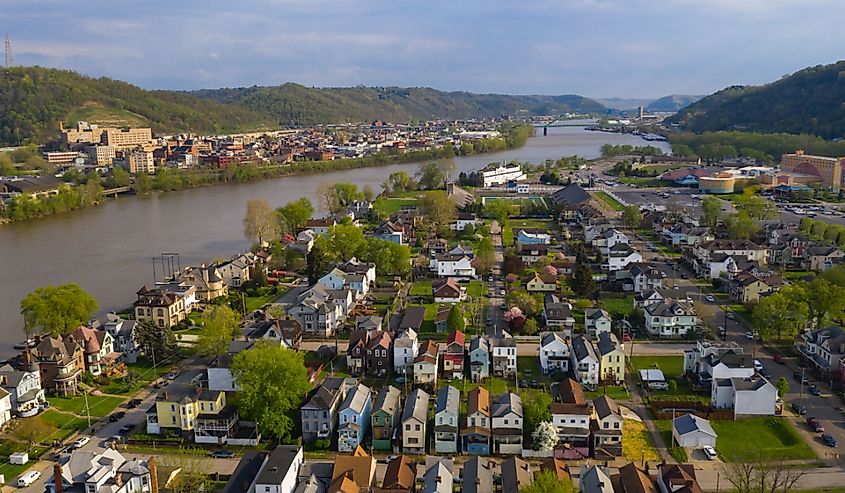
<point x="828" y="169"/>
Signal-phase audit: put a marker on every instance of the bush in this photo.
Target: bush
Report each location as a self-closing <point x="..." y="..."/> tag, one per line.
<point x="322" y="444"/>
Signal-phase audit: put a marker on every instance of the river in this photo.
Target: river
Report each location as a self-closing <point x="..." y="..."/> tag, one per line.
<point x="108" y="249"/>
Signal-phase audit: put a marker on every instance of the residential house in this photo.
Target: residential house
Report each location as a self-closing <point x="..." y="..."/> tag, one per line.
<point x="693" y="431"/>
<point x="356" y="351"/>
<point x="541" y="283"/>
<point x="698" y="360"/>
<point x="360" y="209"/>
<point x="479" y="358"/>
<point x="786" y="249"/>
<point x="677" y="478"/>
<point x="448" y="291"/>
<point x="279" y="470"/>
<point x="746" y="288"/>
<point x="460" y="249"/>
<point x="92" y="471"/>
<point x="504" y="355"/>
<point x="611" y="354"/>
<point x="446" y="414"/>
<point x="319" y="413"/>
<point x="825" y="348"/>
<point x="597" y="321"/>
<point x="639" y="278"/>
<point x="286" y="331"/>
<point x="437" y="478"/>
<point x="61" y="363"/>
<point x="385" y="417"/>
<point x="414" y="421"/>
<point x="98" y="348"/>
<point x="507" y="416"/>
<point x="516" y="474"/>
<point x="441" y="318"/>
<point x="554" y="352"/>
<point x="237" y="271"/>
<point x="748" y="396"/>
<point x="404" y="350"/>
<point x="822" y="257"/>
<point x="608" y="239"/>
<point x="426" y="364"/>
<point x="392" y="232"/>
<point x="453" y="357"/>
<point x="475" y="437"/>
<point x="400" y="475"/>
<point x="571" y="416"/>
<point x="532" y="253"/>
<point x="465" y="219"/>
<point x="585" y="362"/>
<point x="369" y="322"/>
<point x="186" y="408"/>
<point x="527" y="237"/>
<point x="319" y="311"/>
<point x="606" y="427"/>
<point x="558" y="314"/>
<point x="356" y="267"/>
<point x="436" y="246"/>
<point x="353" y="418"/>
<point x="320" y="226"/>
<point x="620" y="256"/>
<point x="477" y="476"/>
<point x="379" y="359"/>
<point x="207" y="281"/>
<point x="670" y="318"/>
<point x="596" y="480"/>
<point x="558" y="468"/>
<point x="26" y="397"/>
<point x="702" y="253"/>
<point x="411" y="318"/>
<point x="352" y="473"/>
<point x="448" y="265"/>
<point x="123" y="335"/>
<point x="159" y="306"/>
<point x="635" y="480"/>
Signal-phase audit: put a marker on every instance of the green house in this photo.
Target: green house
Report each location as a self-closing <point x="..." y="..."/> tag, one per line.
<point x="384" y="418"/>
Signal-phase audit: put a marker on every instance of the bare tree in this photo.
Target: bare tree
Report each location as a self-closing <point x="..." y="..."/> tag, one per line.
<point x="327" y="197"/>
<point x="260" y="222"/>
<point x="752" y="475"/>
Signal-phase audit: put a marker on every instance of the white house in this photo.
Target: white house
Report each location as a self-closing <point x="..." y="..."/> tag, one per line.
<point x="454" y="266"/>
<point x="597" y="321"/>
<point x="5" y="407"/>
<point x="692" y="431"/>
<point x="502" y="174"/>
<point x="446" y="413"/>
<point x="279" y="472"/>
<point x="404" y="350"/>
<point x="465" y="219"/>
<point x="608" y="239"/>
<point x="504" y="356"/>
<point x="24" y="388"/>
<point x="750" y="396"/>
<point x="670" y="318"/>
<point x="335" y="279"/>
<point x="585" y="362"/>
<point x="825" y="348"/>
<point x="620" y="256"/>
<point x="507" y="424"/>
<point x="554" y="352"/>
<point x="607" y="431"/>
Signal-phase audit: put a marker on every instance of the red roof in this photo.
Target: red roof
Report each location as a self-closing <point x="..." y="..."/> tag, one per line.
<point x="457" y="337"/>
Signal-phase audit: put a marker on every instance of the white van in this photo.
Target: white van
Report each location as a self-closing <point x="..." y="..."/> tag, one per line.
<point x="28" y="478"/>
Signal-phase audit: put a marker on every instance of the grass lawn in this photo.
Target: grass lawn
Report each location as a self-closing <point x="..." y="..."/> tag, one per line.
<point x="742" y="313"/>
<point x="517" y="224"/>
<point x="767" y="438"/>
<point x="613" y="203"/>
<point x="636" y="442"/>
<point x="672" y="366"/>
<point x="255" y="302"/>
<point x="507" y="234"/>
<point x="476" y="289"/>
<point x="797" y="275"/>
<point x="48" y="426"/>
<point x="615" y="392"/>
<point x="618" y="307"/>
<point x="420" y="288"/>
<point x="665" y="427"/>
<point x="389" y="206"/>
<point x="146" y="376"/>
<point x="98" y="405"/>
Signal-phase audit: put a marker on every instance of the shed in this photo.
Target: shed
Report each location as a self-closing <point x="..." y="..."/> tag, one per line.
<point x="651" y="375"/>
<point x="690" y="430"/>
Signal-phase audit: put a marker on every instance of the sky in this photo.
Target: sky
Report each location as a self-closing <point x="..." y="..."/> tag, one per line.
<point x="596" y="48"/>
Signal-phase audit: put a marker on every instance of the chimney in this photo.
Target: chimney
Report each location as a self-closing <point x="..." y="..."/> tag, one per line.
<point x="118" y="479"/>
<point x="59" y="485"/>
<point x="151" y="465"/>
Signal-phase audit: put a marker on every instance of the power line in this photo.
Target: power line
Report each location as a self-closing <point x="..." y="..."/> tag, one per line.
<point x="9" y="58"/>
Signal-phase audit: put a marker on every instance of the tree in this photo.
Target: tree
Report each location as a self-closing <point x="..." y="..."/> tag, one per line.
<point x="142" y="184"/>
<point x="783" y="387"/>
<point x="531" y="327"/>
<point x="260" y="221"/>
<point x="582" y="280"/>
<point x="327" y="197"/>
<point x="32" y="430"/>
<point x="193" y="475"/>
<point x="56" y="310"/>
<point x="456" y="319"/>
<point x="825" y="301"/>
<point x="485" y="255"/>
<point x="156" y="343"/>
<point x="344" y="240"/>
<point x="523" y="301"/>
<point x="752" y="474"/>
<point x="741" y="226"/>
<point x="500" y="210"/>
<point x="398" y="182"/>
<point x="432" y="176"/>
<point x="781" y="313"/>
<point x="368" y="193"/>
<point x="294" y="214"/>
<point x="438" y="208"/>
<point x="513" y="264"/>
<point x="756" y="206"/>
<point x="805" y="225"/>
<point x="632" y="216"/>
<point x="545" y="436"/>
<point x="273" y="381"/>
<point x="547" y="482"/>
<point x="389" y="257"/>
<point x="711" y="211"/>
<point x="346" y="193"/>
<point x="318" y="260"/>
<point x="537" y="409"/>
<point x="219" y="326"/>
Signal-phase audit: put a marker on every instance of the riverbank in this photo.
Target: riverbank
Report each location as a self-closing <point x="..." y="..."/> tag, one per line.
<point x="71" y="198"/>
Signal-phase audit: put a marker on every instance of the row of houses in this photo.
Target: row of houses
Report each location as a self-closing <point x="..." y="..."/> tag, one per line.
<point x="592" y="363"/>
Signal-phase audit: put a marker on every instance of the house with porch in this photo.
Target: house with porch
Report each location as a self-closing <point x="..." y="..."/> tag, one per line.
<point x="597" y="321"/>
<point x="479" y="358"/>
<point x="475" y="437"/>
<point x="571" y="416"/>
<point x="446" y="414"/>
<point x="606" y="425"/>
<point x="414" y="421"/>
<point x="453" y="357"/>
<point x="385" y="418"/>
<point x="504" y="355"/>
<point x="507" y="416"/>
<point x="554" y="352"/>
<point x="426" y="364"/>
<point x="585" y="362"/>
<point x="670" y="318"/>
<point x="353" y="418"/>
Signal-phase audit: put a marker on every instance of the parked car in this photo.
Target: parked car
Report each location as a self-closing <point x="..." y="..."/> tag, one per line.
<point x="28" y="478"/>
<point x="730" y="315"/>
<point x="710" y="298"/>
<point x="829" y="440"/>
<point x="172" y="375"/>
<point x="115" y="417"/>
<point x="709" y="452"/>
<point x="658" y="385"/>
<point x="798" y="409"/>
<point x="126" y="429"/>
<point x="222" y="454"/>
<point x="133" y="403"/>
<point x="779" y="359"/>
<point x="799" y="377"/>
<point x="815" y="425"/>
<point x="814" y="390"/>
<point x="757" y="365"/>
<point x="81" y="442"/>
<point x="750" y="335"/>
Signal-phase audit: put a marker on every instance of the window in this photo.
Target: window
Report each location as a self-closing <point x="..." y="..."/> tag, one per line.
<point x="606" y="425"/>
<point x="506" y="421"/>
<point x="417" y="427"/>
<point x="407" y="427"/>
<point x="616" y="425"/>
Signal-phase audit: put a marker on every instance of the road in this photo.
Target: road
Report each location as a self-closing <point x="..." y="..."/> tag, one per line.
<point x="495" y="322"/>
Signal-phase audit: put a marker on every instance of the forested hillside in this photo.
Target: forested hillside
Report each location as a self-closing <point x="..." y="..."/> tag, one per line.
<point x="810" y="101"/>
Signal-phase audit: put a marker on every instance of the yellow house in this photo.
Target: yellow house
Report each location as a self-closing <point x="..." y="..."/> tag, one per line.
<point x="179" y="405"/>
<point x="611" y="358"/>
<point x="541" y="283"/>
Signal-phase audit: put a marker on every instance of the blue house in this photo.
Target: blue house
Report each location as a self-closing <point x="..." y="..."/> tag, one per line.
<point x="479" y="358"/>
<point x="391" y="232"/>
<point x="354" y="418"/>
<point x="476" y="433"/>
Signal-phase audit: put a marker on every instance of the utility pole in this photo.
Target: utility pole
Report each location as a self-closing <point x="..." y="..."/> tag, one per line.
<point x="87" y="409"/>
<point x="9" y="58"/>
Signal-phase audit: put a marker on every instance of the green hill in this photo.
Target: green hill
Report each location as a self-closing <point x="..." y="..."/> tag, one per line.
<point x="294" y="104"/>
<point x="672" y="103"/>
<point x="35" y="100"/>
<point x="810" y="101"/>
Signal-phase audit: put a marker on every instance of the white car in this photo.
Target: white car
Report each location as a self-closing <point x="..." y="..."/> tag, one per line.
<point x="80" y="442"/>
<point x="757" y="365"/>
<point x="709" y="452"/>
<point x="28" y="478"/>
<point x="710" y="298"/>
<point x="658" y="386"/>
<point x="750" y="335"/>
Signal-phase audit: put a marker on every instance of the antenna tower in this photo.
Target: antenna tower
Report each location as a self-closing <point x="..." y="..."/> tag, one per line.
<point x="9" y="59"/>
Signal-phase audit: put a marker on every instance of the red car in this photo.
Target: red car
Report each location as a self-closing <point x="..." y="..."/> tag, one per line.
<point x="779" y="359"/>
<point x="814" y="425"/>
